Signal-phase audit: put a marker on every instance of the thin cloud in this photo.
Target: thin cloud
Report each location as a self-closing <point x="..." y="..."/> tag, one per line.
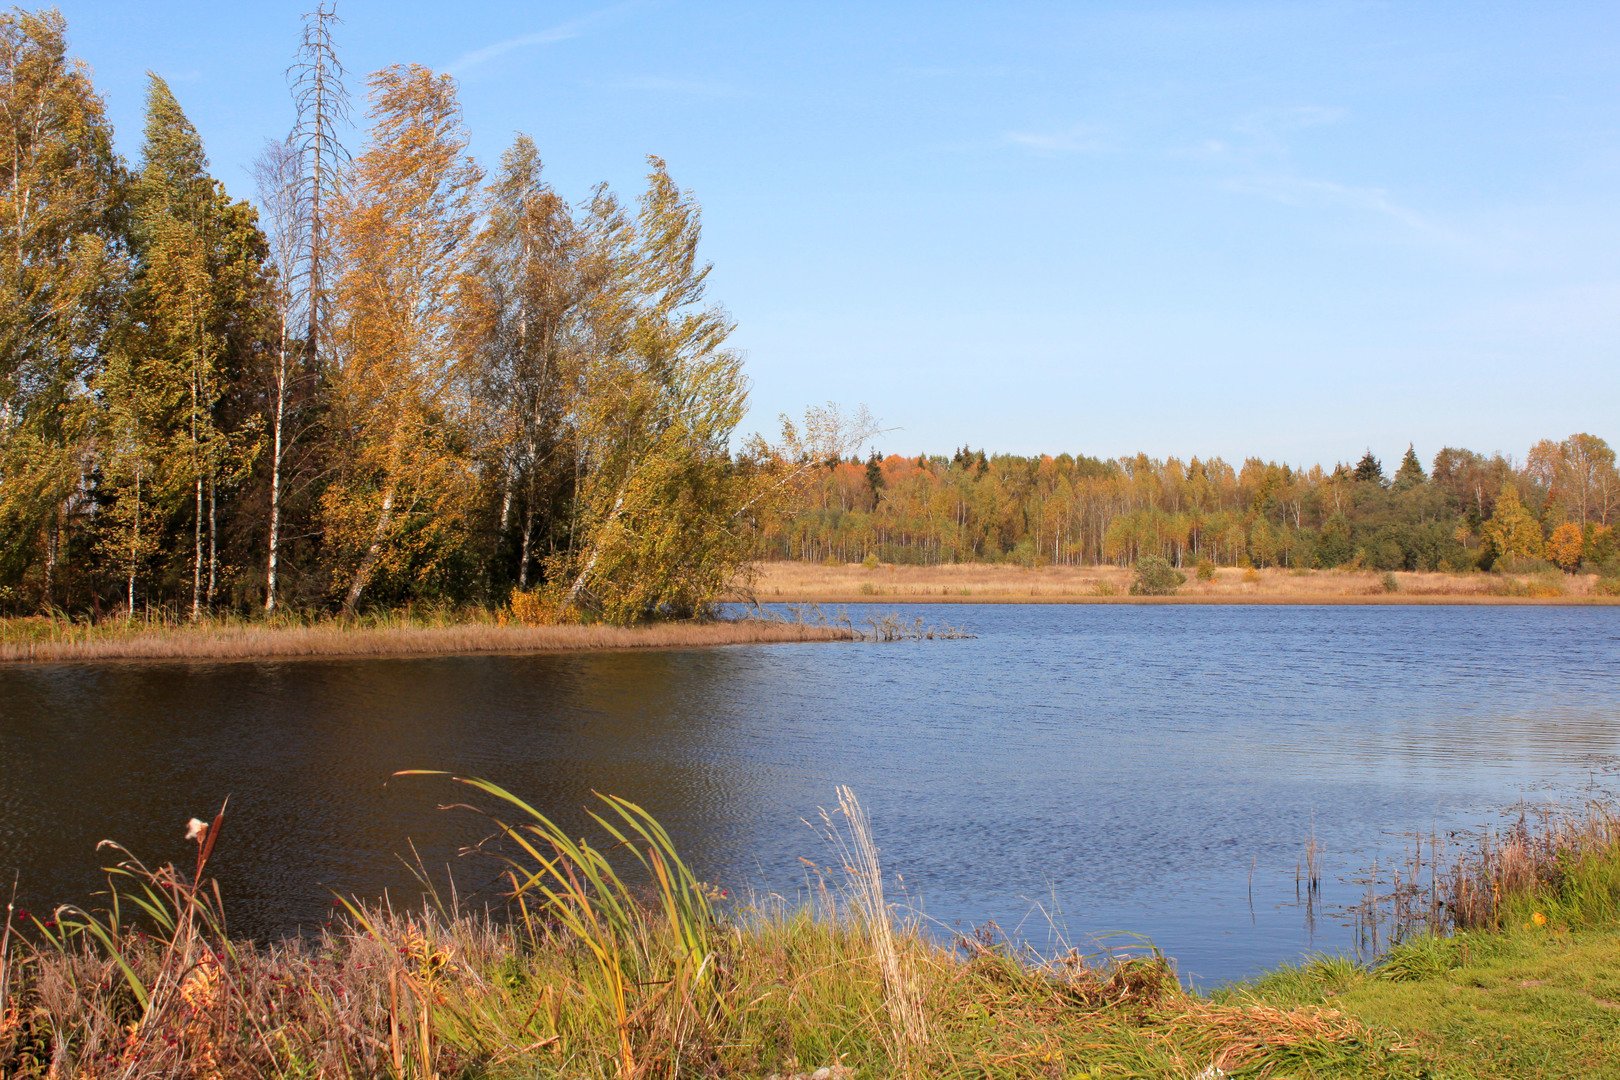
<point x="658" y="84"/>
<point x="561" y="32"/>
<point x="1075" y="140"/>
<point x="1259" y="161"/>
<point x="1304" y="191"/>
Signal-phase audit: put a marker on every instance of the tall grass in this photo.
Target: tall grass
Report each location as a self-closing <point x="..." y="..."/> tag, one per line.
<point x="37" y="640"/>
<point x="611" y="959"/>
<point x="1549" y="864"/>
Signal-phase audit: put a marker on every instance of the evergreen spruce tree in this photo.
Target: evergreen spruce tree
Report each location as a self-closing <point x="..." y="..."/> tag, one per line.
<point x="193" y="319"/>
<point x="1410" y="474"/>
<point x="1369" y="469"/>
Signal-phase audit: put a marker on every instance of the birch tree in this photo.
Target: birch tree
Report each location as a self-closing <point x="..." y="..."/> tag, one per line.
<point x="405" y="476"/>
<point x="523" y="310"/>
<point x="61" y="273"/>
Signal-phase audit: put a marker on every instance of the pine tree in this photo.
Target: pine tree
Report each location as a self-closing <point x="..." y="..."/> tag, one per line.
<point x="61" y="272"/>
<point x="322" y="103"/>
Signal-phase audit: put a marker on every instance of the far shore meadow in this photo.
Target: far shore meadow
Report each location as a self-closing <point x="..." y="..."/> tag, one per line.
<point x="1002" y="583"/>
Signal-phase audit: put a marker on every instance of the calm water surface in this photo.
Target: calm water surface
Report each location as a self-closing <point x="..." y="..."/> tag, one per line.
<point x="1103" y="768"/>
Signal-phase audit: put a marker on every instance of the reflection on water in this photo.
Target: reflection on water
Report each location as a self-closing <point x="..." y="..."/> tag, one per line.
<point x="1097" y="768"/>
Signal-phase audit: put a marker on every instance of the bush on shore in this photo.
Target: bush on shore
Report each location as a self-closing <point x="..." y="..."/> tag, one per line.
<point x="1156" y="577"/>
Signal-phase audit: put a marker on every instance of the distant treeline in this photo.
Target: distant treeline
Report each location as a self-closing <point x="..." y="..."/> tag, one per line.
<point x="1467" y="511"/>
<point x="389" y="381"/>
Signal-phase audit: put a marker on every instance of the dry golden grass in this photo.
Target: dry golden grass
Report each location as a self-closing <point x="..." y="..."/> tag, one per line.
<point x="19" y="643"/>
<point x="995" y="583"/>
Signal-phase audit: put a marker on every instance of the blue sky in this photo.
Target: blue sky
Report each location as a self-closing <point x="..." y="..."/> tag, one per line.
<point x="1292" y="229"/>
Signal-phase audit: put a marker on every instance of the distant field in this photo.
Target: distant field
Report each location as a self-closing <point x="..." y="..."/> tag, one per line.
<point x="991" y="583"/>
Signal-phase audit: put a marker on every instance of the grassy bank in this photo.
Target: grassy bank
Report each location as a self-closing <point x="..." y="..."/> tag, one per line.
<point x="983" y="583"/>
<point x="61" y="641"/>
<point x="613" y="961"/>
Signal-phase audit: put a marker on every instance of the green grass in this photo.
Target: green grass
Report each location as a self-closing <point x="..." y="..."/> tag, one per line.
<point x="1519" y="1003"/>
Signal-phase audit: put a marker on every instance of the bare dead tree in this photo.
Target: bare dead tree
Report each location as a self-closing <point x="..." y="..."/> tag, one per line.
<point x="322" y="107"/>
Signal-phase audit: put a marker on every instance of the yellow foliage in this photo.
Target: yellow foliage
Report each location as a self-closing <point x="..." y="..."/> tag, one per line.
<point x="537" y="607"/>
<point x="1564" y="546"/>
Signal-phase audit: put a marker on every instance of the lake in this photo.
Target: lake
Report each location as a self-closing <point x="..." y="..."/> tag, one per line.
<point x="1083" y="770"/>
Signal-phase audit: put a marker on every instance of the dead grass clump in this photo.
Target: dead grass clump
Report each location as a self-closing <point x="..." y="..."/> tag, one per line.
<point x="1216" y="1040"/>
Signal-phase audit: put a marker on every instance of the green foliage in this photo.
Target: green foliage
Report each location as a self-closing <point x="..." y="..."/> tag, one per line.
<point x="1205" y="570"/>
<point x="61" y="277"/>
<point x="1512" y="530"/>
<point x="1156" y="577"/>
<point x="1410" y="474"/>
<point x="1369" y="470"/>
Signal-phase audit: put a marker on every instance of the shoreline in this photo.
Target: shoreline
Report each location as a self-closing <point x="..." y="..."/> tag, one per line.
<point x="249" y="643"/>
<point x="1300" y="600"/>
<point x="994" y="583"/>
<point x="1505" y="968"/>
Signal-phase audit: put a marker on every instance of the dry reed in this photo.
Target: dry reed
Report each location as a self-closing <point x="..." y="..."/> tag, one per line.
<point x="248" y="641"/>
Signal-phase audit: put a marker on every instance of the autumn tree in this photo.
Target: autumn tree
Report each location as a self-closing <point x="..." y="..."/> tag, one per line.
<point x="523" y="320"/>
<point x="1580" y="475"/>
<point x="404" y="476"/>
<point x="61" y="272"/>
<point x="657" y="497"/>
<point x="287" y="373"/>
<point x="1564" y="547"/>
<point x="1513" y="530"/>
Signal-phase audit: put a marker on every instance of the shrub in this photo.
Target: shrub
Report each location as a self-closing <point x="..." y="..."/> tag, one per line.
<point x="1156" y="577"/>
<point x="1564" y="547"/>
<point x="1609" y="586"/>
<point x="871" y="561"/>
<point x="1206" y="570"/>
<point x="1522" y="564"/>
<point x="1251" y="576"/>
<point x="536" y="607"/>
<point x="1546" y="585"/>
<point x="1389" y="582"/>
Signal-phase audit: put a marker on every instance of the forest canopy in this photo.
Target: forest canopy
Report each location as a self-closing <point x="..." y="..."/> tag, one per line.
<point x="1467" y="511"/>
<point x="393" y="379"/>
